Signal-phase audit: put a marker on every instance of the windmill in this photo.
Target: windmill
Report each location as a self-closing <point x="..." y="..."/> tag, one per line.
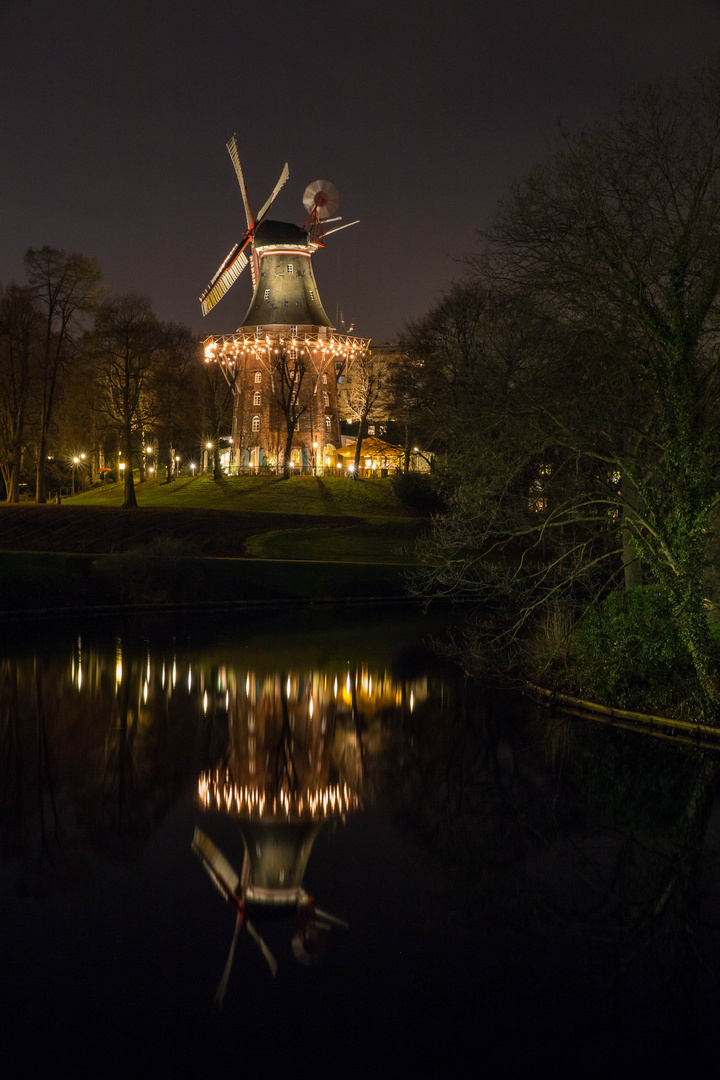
<point x="320" y="201"/>
<point x="234" y="264"/>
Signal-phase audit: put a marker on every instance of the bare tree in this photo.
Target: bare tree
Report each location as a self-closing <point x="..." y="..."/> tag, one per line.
<point x="364" y="389"/>
<point x="288" y="371"/>
<point x="614" y="246"/>
<point x="20" y="335"/>
<point x="68" y="288"/>
<point x="218" y="408"/>
<point x="129" y="341"/>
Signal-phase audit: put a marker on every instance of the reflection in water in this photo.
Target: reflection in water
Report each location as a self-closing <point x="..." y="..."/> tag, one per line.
<point x="580" y="849"/>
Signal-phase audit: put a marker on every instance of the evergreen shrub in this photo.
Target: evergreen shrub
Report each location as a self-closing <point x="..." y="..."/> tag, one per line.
<point x="628" y="652"/>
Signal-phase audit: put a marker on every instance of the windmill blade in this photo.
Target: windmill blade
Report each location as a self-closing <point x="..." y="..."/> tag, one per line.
<point x="228" y="273"/>
<point x="283" y="177"/>
<point x="331" y="918"/>
<point x="235" y="158"/>
<point x="272" y="962"/>
<point x="222" y="985"/>
<point x="331" y="231"/>
<point x="217" y="866"/>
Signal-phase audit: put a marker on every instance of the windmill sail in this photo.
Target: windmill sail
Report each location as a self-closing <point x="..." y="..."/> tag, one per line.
<point x="235" y="158"/>
<point x="217" y="866"/>
<point x="229" y="271"/>
<point x="283" y="177"/>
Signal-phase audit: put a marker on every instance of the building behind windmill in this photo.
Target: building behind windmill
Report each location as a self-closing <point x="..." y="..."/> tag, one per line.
<point x="285" y="362"/>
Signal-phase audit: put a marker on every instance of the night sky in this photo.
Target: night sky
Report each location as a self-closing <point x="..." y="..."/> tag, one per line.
<point x="114" y="118"/>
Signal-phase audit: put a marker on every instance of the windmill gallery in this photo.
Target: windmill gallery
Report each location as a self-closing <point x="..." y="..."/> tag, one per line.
<point x="285" y="362"/>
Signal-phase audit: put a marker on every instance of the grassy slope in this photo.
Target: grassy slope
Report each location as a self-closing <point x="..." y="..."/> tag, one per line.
<point x="382" y="530"/>
<point x="299" y="495"/>
<point x="358" y="524"/>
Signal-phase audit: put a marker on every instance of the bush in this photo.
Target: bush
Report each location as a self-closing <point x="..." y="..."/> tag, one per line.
<point x="628" y="652"/>
<point x="418" y="491"/>
<point x="162" y="572"/>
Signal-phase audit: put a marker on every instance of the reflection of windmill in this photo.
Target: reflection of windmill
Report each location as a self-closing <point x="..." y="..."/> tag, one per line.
<point x="276" y="784"/>
<point x="241" y="892"/>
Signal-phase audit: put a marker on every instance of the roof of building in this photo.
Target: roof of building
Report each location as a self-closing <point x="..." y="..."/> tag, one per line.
<point x="270" y="233"/>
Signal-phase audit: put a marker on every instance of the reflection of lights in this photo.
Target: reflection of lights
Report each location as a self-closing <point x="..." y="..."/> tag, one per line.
<point x="219" y="792"/>
<point x="335" y="687"/>
<point x="118" y="660"/>
<point x="145" y="693"/>
<point x="347" y="683"/>
<point x="412" y="701"/>
<point x="247" y="686"/>
<point x="163" y="675"/>
<point x="205" y="702"/>
<point x="287" y="690"/>
<point x="189" y="678"/>
<point x="227" y="700"/>
<point x="174" y="673"/>
<point x="310" y="708"/>
<point x="79" y="676"/>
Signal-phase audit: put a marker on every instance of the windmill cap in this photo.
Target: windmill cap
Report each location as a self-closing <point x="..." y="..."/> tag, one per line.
<point x="280" y="233"/>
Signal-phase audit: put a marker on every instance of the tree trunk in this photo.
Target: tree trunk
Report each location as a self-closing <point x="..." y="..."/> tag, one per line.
<point x="287" y="454"/>
<point x="358" y="448"/>
<point x="130" y="498"/>
<point x="632" y="563"/>
<point x="217" y="471"/>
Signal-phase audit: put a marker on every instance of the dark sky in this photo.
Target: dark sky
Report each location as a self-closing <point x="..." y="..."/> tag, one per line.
<point x="114" y="118"/>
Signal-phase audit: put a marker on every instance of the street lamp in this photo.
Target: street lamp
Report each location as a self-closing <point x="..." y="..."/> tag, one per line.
<point x="76" y="462"/>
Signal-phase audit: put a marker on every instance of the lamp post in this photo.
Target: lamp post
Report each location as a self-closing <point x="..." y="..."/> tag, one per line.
<point x="76" y="462"/>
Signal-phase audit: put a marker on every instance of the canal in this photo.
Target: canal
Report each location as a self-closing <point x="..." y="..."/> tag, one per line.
<point x="521" y="891"/>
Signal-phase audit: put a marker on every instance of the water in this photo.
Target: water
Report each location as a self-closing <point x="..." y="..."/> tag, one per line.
<point x="519" y="890"/>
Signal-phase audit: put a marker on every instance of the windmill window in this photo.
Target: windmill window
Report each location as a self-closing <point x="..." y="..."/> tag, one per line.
<point x="293" y="354"/>
<point x="267" y="294"/>
<point x="324" y="378"/>
<point x="326" y="399"/>
<point x="290" y="268"/>
<point x="258" y="331"/>
<point x="328" y="423"/>
<point x="258" y="376"/>
<point x="293" y="331"/>
<point x="256" y="423"/>
<point x="256" y="397"/>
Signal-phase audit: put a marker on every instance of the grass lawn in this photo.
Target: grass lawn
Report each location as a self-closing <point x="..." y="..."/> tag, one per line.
<point x="299" y="495"/>
<point x="372" y="541"/>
